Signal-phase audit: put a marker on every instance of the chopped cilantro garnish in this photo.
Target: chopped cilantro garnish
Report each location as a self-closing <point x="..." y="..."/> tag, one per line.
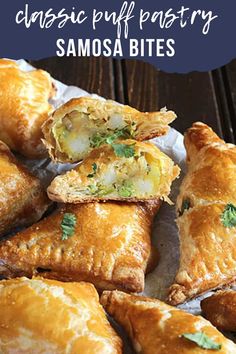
<point x="68" y="225"/>
<point x="228" y="217"/>
<point x="101" y="138"/>
<point x="95" y="167"/>
<point x="126" y="190"/>
<point x="202" y="340"/>
<point x="123" y="150"/>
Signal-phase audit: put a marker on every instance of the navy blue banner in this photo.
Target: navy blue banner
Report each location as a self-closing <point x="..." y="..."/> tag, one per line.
<point x="174" y="35"/>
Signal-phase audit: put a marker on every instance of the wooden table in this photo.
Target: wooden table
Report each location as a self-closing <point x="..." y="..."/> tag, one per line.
<point x="208" y="97"/>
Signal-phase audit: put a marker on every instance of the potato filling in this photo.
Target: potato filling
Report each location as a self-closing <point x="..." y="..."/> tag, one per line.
<point x="78" y="133"/>
<point x="138" y="176"/>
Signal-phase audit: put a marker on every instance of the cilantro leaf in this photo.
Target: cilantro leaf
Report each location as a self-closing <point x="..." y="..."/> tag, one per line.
<point x="202" y="340"/>
<point x="123" y="150"/>
<point x="126" y="190"/>
<point x="68" y="225"/>
<point x="185" y="206"/>
<point x="100" y="138"/>
<point x="95" y="167"/>
<point x="228" y="217"/>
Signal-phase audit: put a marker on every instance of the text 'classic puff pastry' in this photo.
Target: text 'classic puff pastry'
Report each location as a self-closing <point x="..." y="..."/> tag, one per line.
<point x="155" y="327"/>
<point x="128" y="171"/>
<point x="22" y="198"/>
<point x="206" y="207"/>
<point x="220" y="309"/>
<point x="24" y="108"/>
<point x="42" y="316"/>
<point x="85" y="123"/>
<point x="107" y="244"/>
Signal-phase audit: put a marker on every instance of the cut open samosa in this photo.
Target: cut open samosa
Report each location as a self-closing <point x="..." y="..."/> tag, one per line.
<point x="128" y="170"/>
<point x="85" y="123"/>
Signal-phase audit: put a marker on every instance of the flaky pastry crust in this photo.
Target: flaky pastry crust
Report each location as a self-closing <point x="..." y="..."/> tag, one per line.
<point x="155" y="327"/>
<point x="111" y="246"/>
<point x="75" y="186"/>
<point x="208" y="257"/>
<point x="220" y="310"/>
<point x="22" y="198"/>
<point x="41" y="316"/>
<point x="147" y="125"/>
<point x="24" y="108"/>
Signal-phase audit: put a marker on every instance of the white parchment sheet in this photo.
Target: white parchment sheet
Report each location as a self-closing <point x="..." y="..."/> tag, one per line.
<point x="165" y="233"/>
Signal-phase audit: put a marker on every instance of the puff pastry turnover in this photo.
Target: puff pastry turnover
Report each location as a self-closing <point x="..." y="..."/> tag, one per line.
<point x="155" y="327"/>
<point x="110" y="246"/>
<point x="22" y="198"/>
<point x="42" y="316"/>
<point x="24" y="107"/>
<point x="85" y="123"/>
<point x="128" y="171"/>
<point x="207" y="215"/>
<point x="220" y="309"/>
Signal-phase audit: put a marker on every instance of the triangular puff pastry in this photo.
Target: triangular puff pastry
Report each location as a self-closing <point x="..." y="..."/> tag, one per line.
<point x="128" y="170"/>
<point x="107" y="244"/>
<point x="22" y="198"/>
<point x="220" y="309"/>
<point x="41" y="316"/>
<point x="206" y="209"/>
<point x="84" y="123"/>
<point x="155" y="327"/>
<point x="24" y="108"/>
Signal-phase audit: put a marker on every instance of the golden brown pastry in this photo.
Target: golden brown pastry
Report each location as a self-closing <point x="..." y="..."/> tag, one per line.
<point x="85" y="123"/>
<point x="24" y="107"/>
<point x="40" y="316"/>
<point x="207" y="216"/>
<point x="155" y="327"/>
<point x="128" y="170"/>
<point x="220" y="309"/>
<point x="107" y="244"/>
<point x="22" y="198"/>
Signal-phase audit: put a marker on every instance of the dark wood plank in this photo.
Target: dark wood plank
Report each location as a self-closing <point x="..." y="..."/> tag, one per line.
<point x="94" y="75"/>
<point x="223" y="100"/>
<point x="229" y="74"/>
<point x="191" y="96"/>
<point x="119" y="83"/>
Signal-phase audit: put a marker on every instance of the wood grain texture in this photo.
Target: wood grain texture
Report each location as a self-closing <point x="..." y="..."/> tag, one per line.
<point x="229" y="72"/>
<point x="209" y="97"/>
<point x="91" y="74"/>
<point x="191" y="96"/>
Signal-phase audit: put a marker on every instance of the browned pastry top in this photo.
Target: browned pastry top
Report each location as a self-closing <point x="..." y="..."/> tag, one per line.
<point x="22" y="198"/>
<point x="208" y="244"/>
<point x="110" y="246"/>
<point x="24" y="107"/>
<point x="155" y="327"/>
<point x="44" y="316"/>
<point x="220" y="309"/>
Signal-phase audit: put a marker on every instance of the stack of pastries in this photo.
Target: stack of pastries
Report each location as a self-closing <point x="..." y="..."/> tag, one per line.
<point x="99" y="237"/>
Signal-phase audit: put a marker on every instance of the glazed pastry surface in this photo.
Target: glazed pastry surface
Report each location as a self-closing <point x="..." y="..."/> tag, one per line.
<point x="131" y="171"/>
<point x="206" y="216"/>
<point x="110" y="247"/>
<point x="22" y="198"/>
<point x="155" y="327"/>
<point x="24" y="108"/>
<point x="220" y="309"/>
<point x="84" y="123"/>
<point x="42" y="316"/>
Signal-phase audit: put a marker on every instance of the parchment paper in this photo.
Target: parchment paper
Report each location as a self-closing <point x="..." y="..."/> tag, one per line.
<point x="165" y="233"/>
